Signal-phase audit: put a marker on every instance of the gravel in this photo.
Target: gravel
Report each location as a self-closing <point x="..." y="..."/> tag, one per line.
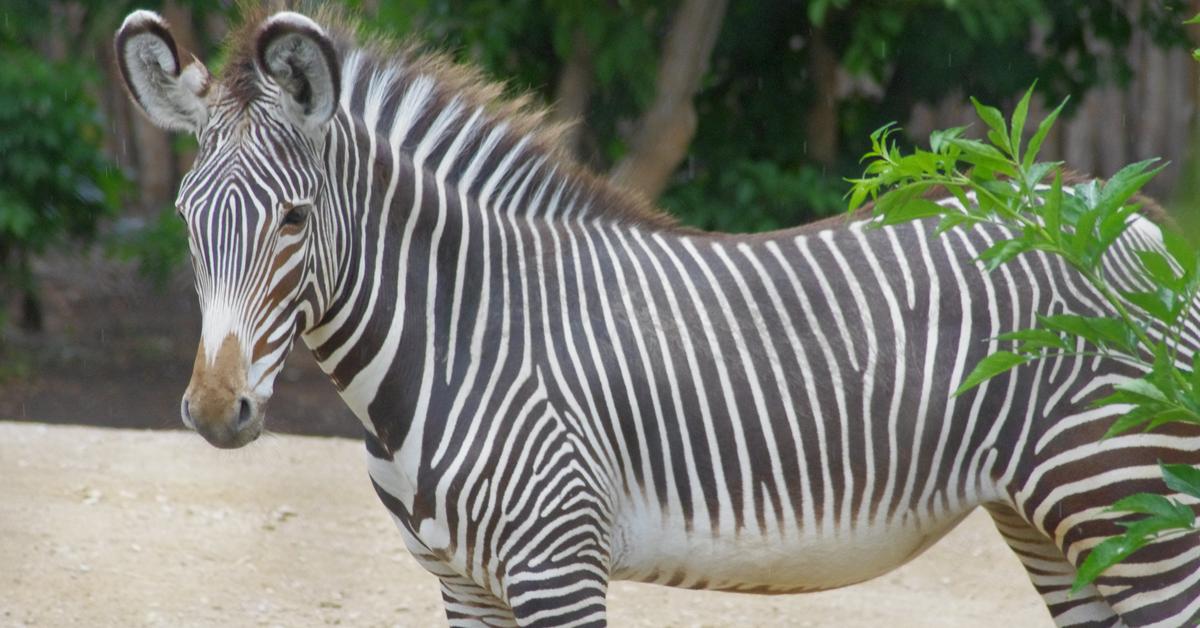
<point x="111" y="527"/>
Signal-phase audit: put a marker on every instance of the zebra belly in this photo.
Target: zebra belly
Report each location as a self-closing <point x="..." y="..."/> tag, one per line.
<point x="770" y="562"/>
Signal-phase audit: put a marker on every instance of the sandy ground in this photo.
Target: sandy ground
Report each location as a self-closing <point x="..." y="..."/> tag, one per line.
<point x="107" y="527"/>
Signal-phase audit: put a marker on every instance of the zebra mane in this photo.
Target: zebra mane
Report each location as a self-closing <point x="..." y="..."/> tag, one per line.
<point x="378" y="72"/>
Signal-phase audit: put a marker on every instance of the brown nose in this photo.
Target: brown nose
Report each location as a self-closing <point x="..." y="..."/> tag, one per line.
<point x="217" y="403"/>
<point x="232" y="427"/>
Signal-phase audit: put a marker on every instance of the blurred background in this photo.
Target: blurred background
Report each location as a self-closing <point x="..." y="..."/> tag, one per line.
<point x="737" y="116"/>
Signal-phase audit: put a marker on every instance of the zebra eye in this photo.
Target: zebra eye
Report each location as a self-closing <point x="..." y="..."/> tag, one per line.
<point x="296" y="216"/>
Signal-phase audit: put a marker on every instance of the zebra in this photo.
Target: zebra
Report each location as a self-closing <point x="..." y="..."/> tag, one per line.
<point x="561" y="386"/>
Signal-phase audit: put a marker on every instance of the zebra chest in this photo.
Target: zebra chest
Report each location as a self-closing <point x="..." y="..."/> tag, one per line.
<point x="425" y="530"/>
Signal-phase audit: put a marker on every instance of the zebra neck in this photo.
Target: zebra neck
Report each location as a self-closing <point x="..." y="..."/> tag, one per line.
<point x="435" y="197"/>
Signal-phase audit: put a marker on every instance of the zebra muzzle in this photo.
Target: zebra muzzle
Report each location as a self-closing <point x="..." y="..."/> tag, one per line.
<point x="218" y="403"/>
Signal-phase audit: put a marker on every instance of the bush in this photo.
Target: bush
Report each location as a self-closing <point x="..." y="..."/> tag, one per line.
<point x="750" y="195"/>
<point x="55" y="182"/>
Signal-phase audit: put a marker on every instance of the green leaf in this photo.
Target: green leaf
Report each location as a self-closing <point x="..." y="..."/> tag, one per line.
<point x="1100" y="331"/>
<point x="1141" y="388"/>
<point x="1002" y="252"/>
<point x="1166" y="513"/>
<point x="1113" y="332"/>
<point x="1071" y="324"/>
<point x="1035" y="143"/>
<point x="1155" y="304"/>
<point x="984" y="155"/>
<point x="940" y="140"/>
<point x="1036" y="174"/>
<point x="1163" y="374"/>
<point x="951" y="220"/>
<point x="1154" y="525"/>
<point x="1176" y="415"/>
<point x="992" y="117"/>
<point x="1085" y="230"/>
<point x="1052" y="208"/>
<point x="1136" y="417"/>
<point x="995" y="364"/>
<point x="1088" y="193"/>
<point x="1181" y="251"/>
<point x="1106" y="554"/>
<point x="1112" y="225"/>
<point x="1018" y="123"/>
<point x="1182" y="478"/>
<point x="1126" y="182"/>
<point x="1033" y="340"/>
<point x="858" y="194"/>
<point x="965" y="203"/>
<point x="1158" y="268"/>
<point x="1196" y="375"/>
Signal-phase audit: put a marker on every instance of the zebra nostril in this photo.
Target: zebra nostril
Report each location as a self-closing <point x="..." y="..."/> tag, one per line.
<point x="186" y="412"/>
<point x="245" y="412"/>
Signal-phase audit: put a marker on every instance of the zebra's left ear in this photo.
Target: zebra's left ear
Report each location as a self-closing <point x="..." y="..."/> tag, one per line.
<point x="295" y="53"/>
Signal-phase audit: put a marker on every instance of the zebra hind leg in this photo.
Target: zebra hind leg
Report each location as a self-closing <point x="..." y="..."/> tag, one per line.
<point x="468" y="604"/>
<point x="1051" y="574"/>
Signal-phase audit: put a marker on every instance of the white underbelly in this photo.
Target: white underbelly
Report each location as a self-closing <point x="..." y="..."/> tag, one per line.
<point x="773" y="561"/>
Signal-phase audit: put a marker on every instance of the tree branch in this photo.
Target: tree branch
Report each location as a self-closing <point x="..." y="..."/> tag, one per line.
<point x="665" y="130"/>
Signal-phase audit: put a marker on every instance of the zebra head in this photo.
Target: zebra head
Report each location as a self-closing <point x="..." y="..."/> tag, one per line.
<point x="255" y="202"/>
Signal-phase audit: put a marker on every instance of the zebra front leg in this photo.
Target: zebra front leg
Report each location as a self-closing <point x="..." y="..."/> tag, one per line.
<point x="468" y="604"/>
<point x="559" y="596"/>
<point x="1051" y="574"/>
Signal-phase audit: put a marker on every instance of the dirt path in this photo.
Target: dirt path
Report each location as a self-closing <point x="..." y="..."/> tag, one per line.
<point x="105" y="527"/>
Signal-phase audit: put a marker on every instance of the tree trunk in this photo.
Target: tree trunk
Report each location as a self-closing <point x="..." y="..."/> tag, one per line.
<point x="573" y="91"/>
<point x="157" y="170"/>
<point x="31" y="303"/>
<point x="821" y="123"/>
<point x="665" y="130"/>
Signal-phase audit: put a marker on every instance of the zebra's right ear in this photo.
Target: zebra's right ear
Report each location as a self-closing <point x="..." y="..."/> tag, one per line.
<point x="297" y="55"/>
<point x="171" y="95"/>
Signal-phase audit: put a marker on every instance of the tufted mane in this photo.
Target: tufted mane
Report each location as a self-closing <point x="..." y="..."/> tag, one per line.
<point x="408" y="60"/>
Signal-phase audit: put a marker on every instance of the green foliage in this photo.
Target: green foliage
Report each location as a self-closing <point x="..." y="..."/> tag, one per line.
<point x="754" y="100"/>
<point x="1006" y="181"/>
<point x="158" y="248"/>
<point x="54" y="181"/>
<point x="527" y="42"/>
<point x="753" y="196"/>
<point x="986" y="44"/>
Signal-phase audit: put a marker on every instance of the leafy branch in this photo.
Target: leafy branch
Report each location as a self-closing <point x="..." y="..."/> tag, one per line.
<point x="1000" y="182"/>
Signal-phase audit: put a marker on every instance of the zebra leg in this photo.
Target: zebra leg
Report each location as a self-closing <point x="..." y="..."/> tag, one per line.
<point x="559" y="596"/>
<point x="468" y="604"/>
<point x="1158" y="585"/>
<point x="559" y="575"/>
<point x="1051" y="574"/>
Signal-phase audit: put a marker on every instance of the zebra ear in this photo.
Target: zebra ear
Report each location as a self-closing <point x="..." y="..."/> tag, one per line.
<point x="171" y="95"/>
<point x="299" y="57"/>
